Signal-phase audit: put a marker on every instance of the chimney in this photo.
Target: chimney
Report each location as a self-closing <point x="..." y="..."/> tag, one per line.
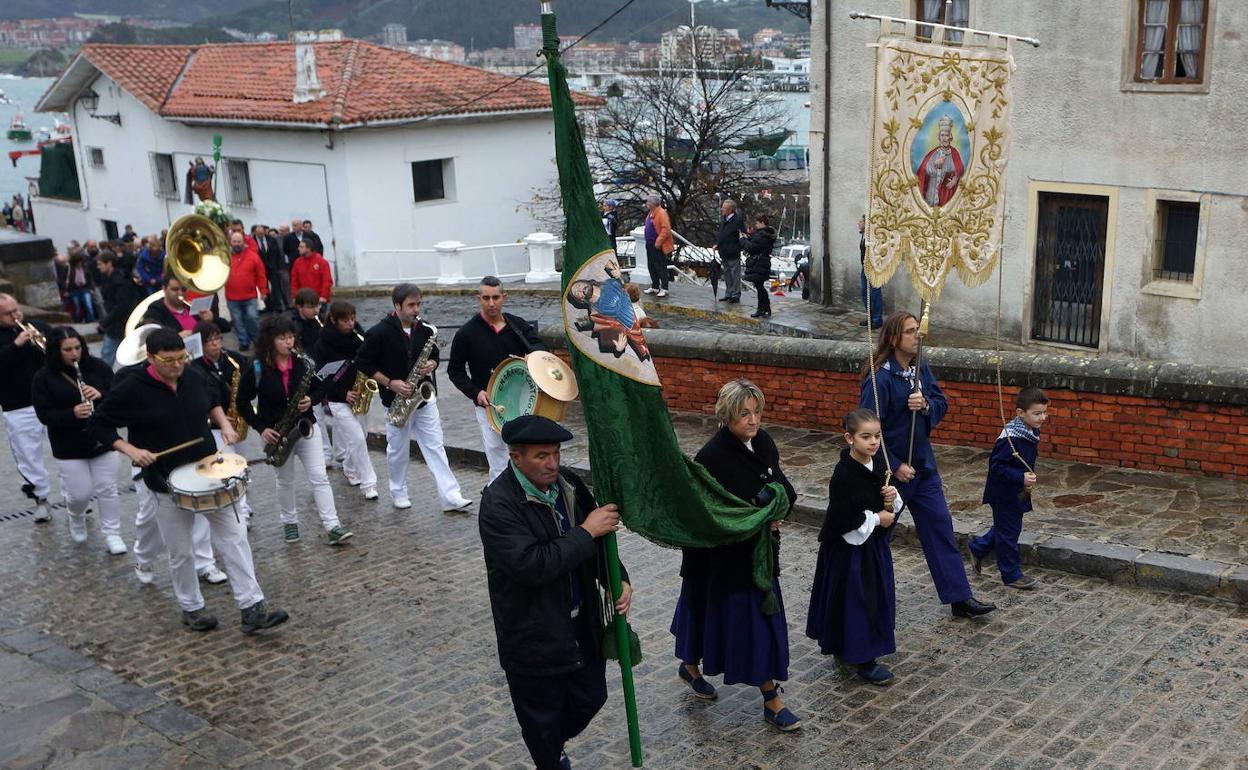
<point x="307" y="84"/>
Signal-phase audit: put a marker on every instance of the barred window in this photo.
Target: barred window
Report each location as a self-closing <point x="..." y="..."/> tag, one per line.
<point x="239" y="176"/>
<point x="164" y="181"/>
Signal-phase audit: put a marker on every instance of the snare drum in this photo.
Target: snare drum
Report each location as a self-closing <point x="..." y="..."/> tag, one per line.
<point x="195" y="493"/>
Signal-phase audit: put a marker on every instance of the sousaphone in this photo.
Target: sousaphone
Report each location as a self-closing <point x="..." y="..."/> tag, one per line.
<point x="197" y="254"/>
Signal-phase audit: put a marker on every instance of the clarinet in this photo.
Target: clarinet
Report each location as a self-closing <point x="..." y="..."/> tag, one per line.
<point x="82" y="388"/>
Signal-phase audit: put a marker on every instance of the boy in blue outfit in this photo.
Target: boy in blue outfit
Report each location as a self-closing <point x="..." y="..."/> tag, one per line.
<point x="1011" y="476"/>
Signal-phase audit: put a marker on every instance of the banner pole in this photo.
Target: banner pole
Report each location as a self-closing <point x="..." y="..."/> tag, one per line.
<point x="620" y="622"/>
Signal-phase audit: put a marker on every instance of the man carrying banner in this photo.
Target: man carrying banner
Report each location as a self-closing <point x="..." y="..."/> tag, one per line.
<point x="546" y="564"/>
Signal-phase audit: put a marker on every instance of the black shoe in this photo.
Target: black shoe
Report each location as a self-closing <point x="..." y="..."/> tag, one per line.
<point x="258" y="617"/>
<point x="198" y="620"/>
<point x="874" y="673"/>
<point x="971" y="608"/>
<point x="862" y="323"/>
<point x="977" y="564"/>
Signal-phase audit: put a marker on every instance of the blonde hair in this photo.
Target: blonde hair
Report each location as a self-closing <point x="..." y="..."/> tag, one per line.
<point x="732" y="397"/>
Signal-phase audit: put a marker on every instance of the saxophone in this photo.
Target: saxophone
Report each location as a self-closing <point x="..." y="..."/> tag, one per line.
<point x="365" y="388"/>
<point x="401" y="408"/>
<point x="236" y="420"/>
<point x="292" y="425"/>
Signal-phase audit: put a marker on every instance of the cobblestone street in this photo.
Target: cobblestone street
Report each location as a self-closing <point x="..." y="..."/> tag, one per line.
<point x="389" y="660"/>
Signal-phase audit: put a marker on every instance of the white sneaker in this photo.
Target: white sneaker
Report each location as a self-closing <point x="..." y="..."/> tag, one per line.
<point x="460" y="503"/>
<point x="78" y="528"/>
<point x="370" y="494"/>
<point x="352" y="481"/>
<point x="402" y="502"/>
<point x="662" y="292"/>
<point x="652" y="291"/>
<point x="42" y="512"/>
<point x="213" y="576"/>
<point x="144" y="573"/>
<point x="116" y="546"/>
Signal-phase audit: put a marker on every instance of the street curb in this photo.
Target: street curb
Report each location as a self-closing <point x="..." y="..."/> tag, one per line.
<point x="1119" y="564"/>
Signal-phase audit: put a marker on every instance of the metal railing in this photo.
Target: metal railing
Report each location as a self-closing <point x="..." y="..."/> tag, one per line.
<point x="508" y="261"/>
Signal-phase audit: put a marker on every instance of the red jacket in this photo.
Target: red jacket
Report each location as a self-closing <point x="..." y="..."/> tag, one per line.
<point x="247" y="276"/>
<point x="311" y="272"/>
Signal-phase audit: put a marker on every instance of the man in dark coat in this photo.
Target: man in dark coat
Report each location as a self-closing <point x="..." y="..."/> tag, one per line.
<point x="275" y="267"/>
<point x="728" y="244"/>
<point x="541" y="530"/>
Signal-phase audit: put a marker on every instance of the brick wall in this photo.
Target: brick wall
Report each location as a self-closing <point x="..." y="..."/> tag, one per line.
<point x="1108" y="429"/>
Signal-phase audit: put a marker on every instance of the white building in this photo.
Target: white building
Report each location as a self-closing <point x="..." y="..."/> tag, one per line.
<point x="394" y="34"/>
<point x="1126" y="210"/>
<point x="398" y="154"/>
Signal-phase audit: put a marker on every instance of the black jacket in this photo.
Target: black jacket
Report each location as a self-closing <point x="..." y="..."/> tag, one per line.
<point x="338" y="346"/>
<point x="271" y="396"/>
<point x="222" y="373"/>
<point x="271" y="254"/>
<point x="386" y="349"/>
<point x="290" y="245"/>
<point x="529" y="565"/>
<point x="728" y="239"/>
<point x="157" y="313"/>
<point x="121" y="295"/>
<point x="744" y="474"/>
<point x="309" y="330"/>
<point x="478" y="347"/>
<point x="158" y="418"/>
<point x="758" y="247"/>
<point x="18" y="366"/>
<point x="852" y="490"/>
<point x="55" y="395"/>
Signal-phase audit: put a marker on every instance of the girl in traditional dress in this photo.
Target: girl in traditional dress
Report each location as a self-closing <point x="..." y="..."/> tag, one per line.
<point x="719" y="621"/>
<point x="64" y="403"/>
<point x="852" y="601"/>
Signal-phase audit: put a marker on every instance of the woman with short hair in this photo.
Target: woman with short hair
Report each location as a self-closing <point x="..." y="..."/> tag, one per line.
<point x="719" y="620"/>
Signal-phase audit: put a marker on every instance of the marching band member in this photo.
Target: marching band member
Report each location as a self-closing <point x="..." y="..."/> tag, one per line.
<point x="280" y="374"/>
<point x="307" y="320"/>
<point x="174" y="312"/>
<point x="390" y="350"/>
<point x="20" y="358"/>
<point x="482" y="343"/>
<point x="222" y="365"/>
<point x="163" y="406"/>
<point x="340" y="341"/>
<point x="64" y="392"/>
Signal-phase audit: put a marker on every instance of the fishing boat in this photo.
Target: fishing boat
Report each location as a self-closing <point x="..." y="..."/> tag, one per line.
<point x="18" y="130"/>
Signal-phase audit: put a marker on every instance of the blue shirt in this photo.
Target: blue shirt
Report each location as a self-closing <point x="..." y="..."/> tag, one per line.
<point x="613" y="301"/>
<point x="893" y="385"/>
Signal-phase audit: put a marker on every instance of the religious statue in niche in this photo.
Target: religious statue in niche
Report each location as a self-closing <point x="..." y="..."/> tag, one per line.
<point x="941" y="169"/>
<point x="199" y="180"/>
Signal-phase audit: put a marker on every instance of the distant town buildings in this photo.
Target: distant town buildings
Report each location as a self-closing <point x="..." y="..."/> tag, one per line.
<point x="394" y="35"/>
<point x="442" y="50"/>
<point x="677" y="47"/>
<point x="61" y="32"/>
<point x="527" y="37"/>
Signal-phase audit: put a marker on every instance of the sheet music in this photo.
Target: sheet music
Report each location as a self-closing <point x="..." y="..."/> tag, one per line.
<point x="200" y="304"/>
<point x="330" y="369"/>
<point x="194" y="346"/>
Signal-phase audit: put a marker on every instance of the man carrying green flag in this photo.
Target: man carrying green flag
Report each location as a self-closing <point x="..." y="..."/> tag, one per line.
<point x="637" y="462"/>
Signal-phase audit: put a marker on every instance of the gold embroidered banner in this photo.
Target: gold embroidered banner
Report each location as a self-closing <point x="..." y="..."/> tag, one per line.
<point x="939" y="143"/>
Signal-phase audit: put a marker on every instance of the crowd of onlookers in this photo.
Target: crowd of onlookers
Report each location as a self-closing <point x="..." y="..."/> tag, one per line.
<point x="101" y="281"/>
<point x="14" y="213"/>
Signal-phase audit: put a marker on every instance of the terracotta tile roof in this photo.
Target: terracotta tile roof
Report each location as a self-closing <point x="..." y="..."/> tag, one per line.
<point x="363" y="82"/>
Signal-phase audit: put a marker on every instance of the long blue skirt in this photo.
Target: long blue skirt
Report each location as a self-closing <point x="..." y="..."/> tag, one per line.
<point x="726" y="631"/>
<point x="853" y="599"/>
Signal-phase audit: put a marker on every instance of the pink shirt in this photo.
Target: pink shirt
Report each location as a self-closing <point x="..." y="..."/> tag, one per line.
<point x="285" y="372"/>
<point x="151" y="370"/>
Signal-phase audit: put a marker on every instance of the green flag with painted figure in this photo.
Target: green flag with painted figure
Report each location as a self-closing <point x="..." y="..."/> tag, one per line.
<point x="637" y="462"/>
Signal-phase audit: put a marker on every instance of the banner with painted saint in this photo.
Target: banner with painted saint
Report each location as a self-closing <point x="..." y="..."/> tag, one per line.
<point x="940" y="135"/>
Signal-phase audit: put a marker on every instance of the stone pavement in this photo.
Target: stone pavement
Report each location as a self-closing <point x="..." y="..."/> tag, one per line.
<point x="389" y="660"/>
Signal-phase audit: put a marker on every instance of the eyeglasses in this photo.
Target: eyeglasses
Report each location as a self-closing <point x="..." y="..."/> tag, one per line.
<point x="180" y="358"/>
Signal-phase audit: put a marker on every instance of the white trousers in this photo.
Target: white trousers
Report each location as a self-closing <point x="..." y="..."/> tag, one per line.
<point x="425" y="425"/>
<point x="333" y="452"/>
<point x="97" y="477"/>
<point x="229" y="538"/>
<point x="244" y="509"/>
<point x="311" y="455"/>
<point x="495" y="449"/>
<point x="26" y="439"/>
<point x="351" y="440"/>
<point x="147" y="540"/>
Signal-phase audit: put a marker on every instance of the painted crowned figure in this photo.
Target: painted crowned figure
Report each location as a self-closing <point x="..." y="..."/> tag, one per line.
<point x="941" y="169"/>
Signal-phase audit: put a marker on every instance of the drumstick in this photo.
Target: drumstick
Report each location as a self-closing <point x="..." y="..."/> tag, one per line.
<point x="173" y="449"/>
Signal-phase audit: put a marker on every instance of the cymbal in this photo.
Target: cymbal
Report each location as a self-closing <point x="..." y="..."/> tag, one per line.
<point x="221" y="466"/>
<point x="552" y="375"/>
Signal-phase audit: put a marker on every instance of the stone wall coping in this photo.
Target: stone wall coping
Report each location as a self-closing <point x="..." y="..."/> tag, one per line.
<point x="1220" y="385"/>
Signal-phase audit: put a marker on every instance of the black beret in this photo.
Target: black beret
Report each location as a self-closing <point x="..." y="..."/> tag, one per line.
<point x="534" y="429"/>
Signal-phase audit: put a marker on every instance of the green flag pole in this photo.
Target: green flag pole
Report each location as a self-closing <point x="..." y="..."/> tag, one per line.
<point x="216" y="161"/>
<point x="561" y="102"/>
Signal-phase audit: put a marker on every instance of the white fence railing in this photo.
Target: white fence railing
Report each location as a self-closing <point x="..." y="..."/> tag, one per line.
<point x="451" y="262"/>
